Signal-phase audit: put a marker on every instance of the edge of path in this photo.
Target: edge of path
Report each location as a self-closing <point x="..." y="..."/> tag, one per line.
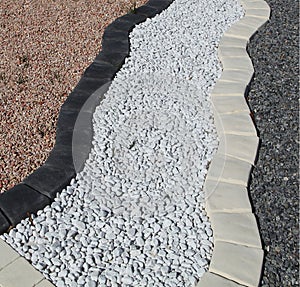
<point x="238" y="255"/>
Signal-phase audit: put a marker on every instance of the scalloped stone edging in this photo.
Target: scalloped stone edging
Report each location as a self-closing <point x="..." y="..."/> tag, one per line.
<point x="237" y="256"/>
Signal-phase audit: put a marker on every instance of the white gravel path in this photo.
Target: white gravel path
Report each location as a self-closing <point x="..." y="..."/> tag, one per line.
<point x="135" y="214"/>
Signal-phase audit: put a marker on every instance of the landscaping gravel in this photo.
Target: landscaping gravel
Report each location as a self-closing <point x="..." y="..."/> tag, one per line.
<point x="274" y="99"/>
<point x="45" y="47"/>
<point x="135" y="215"/>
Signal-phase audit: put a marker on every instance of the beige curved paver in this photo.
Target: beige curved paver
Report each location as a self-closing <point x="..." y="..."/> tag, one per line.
<point x="237" y="256"/>
<point x="212" y="280"/>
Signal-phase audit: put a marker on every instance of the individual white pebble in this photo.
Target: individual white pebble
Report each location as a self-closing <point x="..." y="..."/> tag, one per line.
<point x="102" y="279"/>
<point x="131" y="232"/>
<point x="166" y="223"/>
<point x="165" y="270"/>
<point x="127" y="280"/>
<point x="140" y="241"/>
<point x="79" y="224"/>
<point x="156" y="227"/>
<point x="118" y="251"/>
<point x="60" y="283"/>
<point x="208" y="231"/>
<point x="56" y="261"/>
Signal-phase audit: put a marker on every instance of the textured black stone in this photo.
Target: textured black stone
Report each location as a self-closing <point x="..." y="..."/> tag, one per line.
<point x="69" y="113"/>
<point x="110" y="30"/>
<point x="72" y="107"/>
<point x="113" y="45"/>
<point x="66" y="120"/>
<point x="274" y="100"/>
<point x="100" y="71"/>
<point x="4" y="223"/>
<point x="147" y="11"/>
<point x="81" y="149"/>
<point x="64" y="136"/>
<point x="124" y="25"/>
<point x="61" y="155"/>
<point x="133" y="18"/>
<point x="88" y="86"/>
<point x="115" y="34"/>
<point x="83" y="132"/>
<point x="74" y="102"/>
<point x="159" y="4"/>
<point x="115" y="59"/>
<point x="20" y="201"/>
<point x="50" y="179"/>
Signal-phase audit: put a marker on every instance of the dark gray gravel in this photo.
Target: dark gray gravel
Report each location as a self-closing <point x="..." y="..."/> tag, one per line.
<point x="273" y="98"/>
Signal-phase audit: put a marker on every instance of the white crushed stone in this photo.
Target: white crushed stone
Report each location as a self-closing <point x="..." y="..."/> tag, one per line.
<point x="135" y="215"/>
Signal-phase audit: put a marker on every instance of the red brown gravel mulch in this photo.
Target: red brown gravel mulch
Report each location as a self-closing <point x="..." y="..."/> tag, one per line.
<point x="45" y="47"/>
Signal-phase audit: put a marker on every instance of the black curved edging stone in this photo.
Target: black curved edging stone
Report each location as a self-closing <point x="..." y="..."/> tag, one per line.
<point x="4" y="222"/>
<point x="40" y="188"/>
<point x="20" y="201"/>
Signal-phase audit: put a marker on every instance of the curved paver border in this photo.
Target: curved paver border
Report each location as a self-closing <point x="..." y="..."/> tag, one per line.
<point x="237" y="256"/>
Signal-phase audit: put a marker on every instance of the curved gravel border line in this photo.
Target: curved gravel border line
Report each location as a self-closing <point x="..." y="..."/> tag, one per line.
<point x="40" y="188"/>
<point x="237" y="256"/>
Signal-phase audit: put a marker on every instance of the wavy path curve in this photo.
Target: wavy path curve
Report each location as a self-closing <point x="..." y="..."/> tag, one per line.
<point x="238" y="256"/>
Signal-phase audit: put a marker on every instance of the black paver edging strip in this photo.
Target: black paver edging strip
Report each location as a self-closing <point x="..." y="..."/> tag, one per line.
<point x="40" y="188"/>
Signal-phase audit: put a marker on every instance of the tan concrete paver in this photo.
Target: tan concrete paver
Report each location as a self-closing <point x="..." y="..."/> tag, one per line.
<point x="228" y="89"/>
<point x="231" y="52"/>
<point x="19" y="273"/>
<point x="237" y="123"/>
<point x="241" y="147"/>
<point x="241" y="31"/>
<point x="228" y="169"/>
<point x="254" y="4"/>
<point x="239" y="228"/>
<point x="238" y="63"/>
<point x="261" y="13"/>
<point x="226" y="197"/>
<point x="237" y="255"/>
<point x="233" y="42"/>
<point x="253" y="21"/>
<point x="240" y="76"/>
<point x="212" y="280"/>
<point x="7" y="254"/>
<point x="230" y="104"/>
<point x="238" y="263"/>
